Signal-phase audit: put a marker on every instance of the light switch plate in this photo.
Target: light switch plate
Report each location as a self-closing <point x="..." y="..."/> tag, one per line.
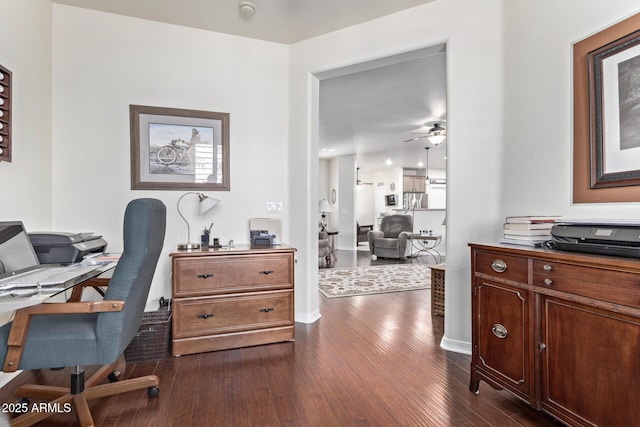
<point x="274" y="207"/>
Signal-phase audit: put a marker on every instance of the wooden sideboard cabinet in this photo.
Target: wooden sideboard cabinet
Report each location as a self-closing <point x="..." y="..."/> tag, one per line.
<point x="560" y="330"/>
<point x="230" y="298"/>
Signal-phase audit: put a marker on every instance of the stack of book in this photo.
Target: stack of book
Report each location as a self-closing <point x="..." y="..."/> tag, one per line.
<point x="528" y="230"/>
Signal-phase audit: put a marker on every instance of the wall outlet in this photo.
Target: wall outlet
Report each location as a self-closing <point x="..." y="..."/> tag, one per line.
<point x="274" y="207"/>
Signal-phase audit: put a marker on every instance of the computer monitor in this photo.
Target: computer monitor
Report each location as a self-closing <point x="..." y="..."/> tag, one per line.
<point x="16" y="251"/>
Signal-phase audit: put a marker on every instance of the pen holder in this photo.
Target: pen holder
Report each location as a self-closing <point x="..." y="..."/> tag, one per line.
<point x="204" y="239"/>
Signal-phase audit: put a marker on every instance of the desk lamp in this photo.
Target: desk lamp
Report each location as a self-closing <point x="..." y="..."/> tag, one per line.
<point x="205" y="204"/>
<point x="324" y="207"/>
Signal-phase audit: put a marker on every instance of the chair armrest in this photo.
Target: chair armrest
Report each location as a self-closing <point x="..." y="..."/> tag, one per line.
<point x="405" y="235"/>
<point x="374" y="234"/>
<point x="371" y="236"/>
<point x="404" y="242"/>
<point x="20" y="326"/>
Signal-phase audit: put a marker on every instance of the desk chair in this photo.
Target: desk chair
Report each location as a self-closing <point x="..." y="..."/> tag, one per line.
<point x="92" y="332"/>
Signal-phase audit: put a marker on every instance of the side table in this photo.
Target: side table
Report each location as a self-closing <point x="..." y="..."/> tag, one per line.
<point x="332" y="243"/>
<point x="424" y="243"/>
<point x="437" y="289"/>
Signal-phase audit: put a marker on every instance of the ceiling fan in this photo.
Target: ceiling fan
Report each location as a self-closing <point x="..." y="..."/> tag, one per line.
<point x="358" y="182"/>
<point x="436" y="134"/>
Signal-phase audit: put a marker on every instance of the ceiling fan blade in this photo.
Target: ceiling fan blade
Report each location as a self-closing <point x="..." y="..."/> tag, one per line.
<point x="417" y="137"/>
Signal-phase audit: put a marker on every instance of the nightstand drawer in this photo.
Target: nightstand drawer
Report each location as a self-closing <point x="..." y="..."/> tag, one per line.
<point x="233" y="313"/>
<point x="228" y="274"/>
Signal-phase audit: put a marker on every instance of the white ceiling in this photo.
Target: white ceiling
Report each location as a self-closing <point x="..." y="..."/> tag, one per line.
<point x="371" y="109"/>
<point x="367" y="109"/>
<point x="283" y="21"/>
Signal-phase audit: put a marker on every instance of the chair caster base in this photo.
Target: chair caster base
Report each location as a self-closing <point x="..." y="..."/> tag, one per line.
<point x="153" y="391"/>
<point x="114" y="376"/>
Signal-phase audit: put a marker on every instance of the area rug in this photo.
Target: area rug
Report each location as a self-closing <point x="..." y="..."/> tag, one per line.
<point x="352" y="281"/>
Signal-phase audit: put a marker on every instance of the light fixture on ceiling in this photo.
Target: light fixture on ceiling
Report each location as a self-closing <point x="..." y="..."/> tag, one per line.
<point x="437" y="134"/>
<point x="205" y="204"/>
<point x="388" y="162"/>
<point x="427" y="177"/>
<point x="247" y="9"/>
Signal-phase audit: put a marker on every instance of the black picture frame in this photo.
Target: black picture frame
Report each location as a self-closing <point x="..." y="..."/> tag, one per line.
<point x="592" y="181"/>
<point x="610" y="134"/>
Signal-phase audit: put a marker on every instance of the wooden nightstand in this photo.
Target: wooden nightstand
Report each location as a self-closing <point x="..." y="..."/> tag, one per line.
<point x="230" y="298"/>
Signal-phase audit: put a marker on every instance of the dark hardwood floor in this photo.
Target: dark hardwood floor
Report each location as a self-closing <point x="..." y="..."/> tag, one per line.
<point x="369" y="361"/>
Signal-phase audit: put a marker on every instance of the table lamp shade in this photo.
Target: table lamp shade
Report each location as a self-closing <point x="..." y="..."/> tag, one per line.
<point x="324" y="206"/>
<point x="205" y="203"/>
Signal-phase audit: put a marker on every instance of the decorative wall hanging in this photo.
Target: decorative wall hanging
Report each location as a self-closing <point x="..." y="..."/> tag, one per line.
<point x="5" y="115"/>
<point x="175" y="149"/>
<point x="606" y="122"/>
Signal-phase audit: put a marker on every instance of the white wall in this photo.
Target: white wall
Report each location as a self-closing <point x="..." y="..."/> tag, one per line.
<point x="365" y="202"/>
<point x="346" y="211"/>
<point x="25" y="31"/>
<point x="538" y="103"/>
<point x="386" y="177"/>
<point x="104" y="62"/>
<point x="472" y="31"/>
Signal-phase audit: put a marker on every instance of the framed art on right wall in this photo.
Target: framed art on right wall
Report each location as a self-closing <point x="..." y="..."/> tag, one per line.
<point x="606" y="122"/>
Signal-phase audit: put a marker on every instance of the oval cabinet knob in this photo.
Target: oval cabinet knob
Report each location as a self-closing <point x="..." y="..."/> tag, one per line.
<point x="548" y="282"/>
<point x="547" y="267"/>
<point x="499" y="266"/>
<point x="499" y="331"/>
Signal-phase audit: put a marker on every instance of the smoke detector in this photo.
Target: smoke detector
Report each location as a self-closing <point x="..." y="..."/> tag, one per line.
<point x="247" y="9"/>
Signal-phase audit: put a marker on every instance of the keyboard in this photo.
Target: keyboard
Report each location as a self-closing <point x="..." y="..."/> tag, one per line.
<point x="45" y="276"/>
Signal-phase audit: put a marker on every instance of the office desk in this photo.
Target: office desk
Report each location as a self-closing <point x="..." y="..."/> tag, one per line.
<point x="10" y="302"/>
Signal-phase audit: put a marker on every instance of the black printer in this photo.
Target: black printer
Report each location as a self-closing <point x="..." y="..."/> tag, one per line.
<point x="65" y="248"/>
<point x="604" y="239"/>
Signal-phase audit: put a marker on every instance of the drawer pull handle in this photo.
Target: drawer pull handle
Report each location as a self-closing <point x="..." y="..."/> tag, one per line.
<point x="548" y="282"/>
<point x="205" y="316"/>
<point x="499" y="331"/>
<point x="499" y="266"/>
<point x="266" y="310"/>
<point x="204" y="276"/>
<point x="547" y="267"/>
<point x="267" y="272"/>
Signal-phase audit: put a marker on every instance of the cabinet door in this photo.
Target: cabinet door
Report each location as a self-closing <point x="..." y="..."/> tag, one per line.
<point x="420" y="184"/>
<point x="590" y="364"/>
<point x="408" y="184"/>
<point x="503" y="336"/>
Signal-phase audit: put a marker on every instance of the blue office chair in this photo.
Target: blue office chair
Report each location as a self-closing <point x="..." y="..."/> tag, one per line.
<point x="90" y="333"/>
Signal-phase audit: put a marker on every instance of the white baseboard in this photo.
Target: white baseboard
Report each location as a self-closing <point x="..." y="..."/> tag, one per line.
<point x="463" y="347"/>
<point x="308" y="317"/>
